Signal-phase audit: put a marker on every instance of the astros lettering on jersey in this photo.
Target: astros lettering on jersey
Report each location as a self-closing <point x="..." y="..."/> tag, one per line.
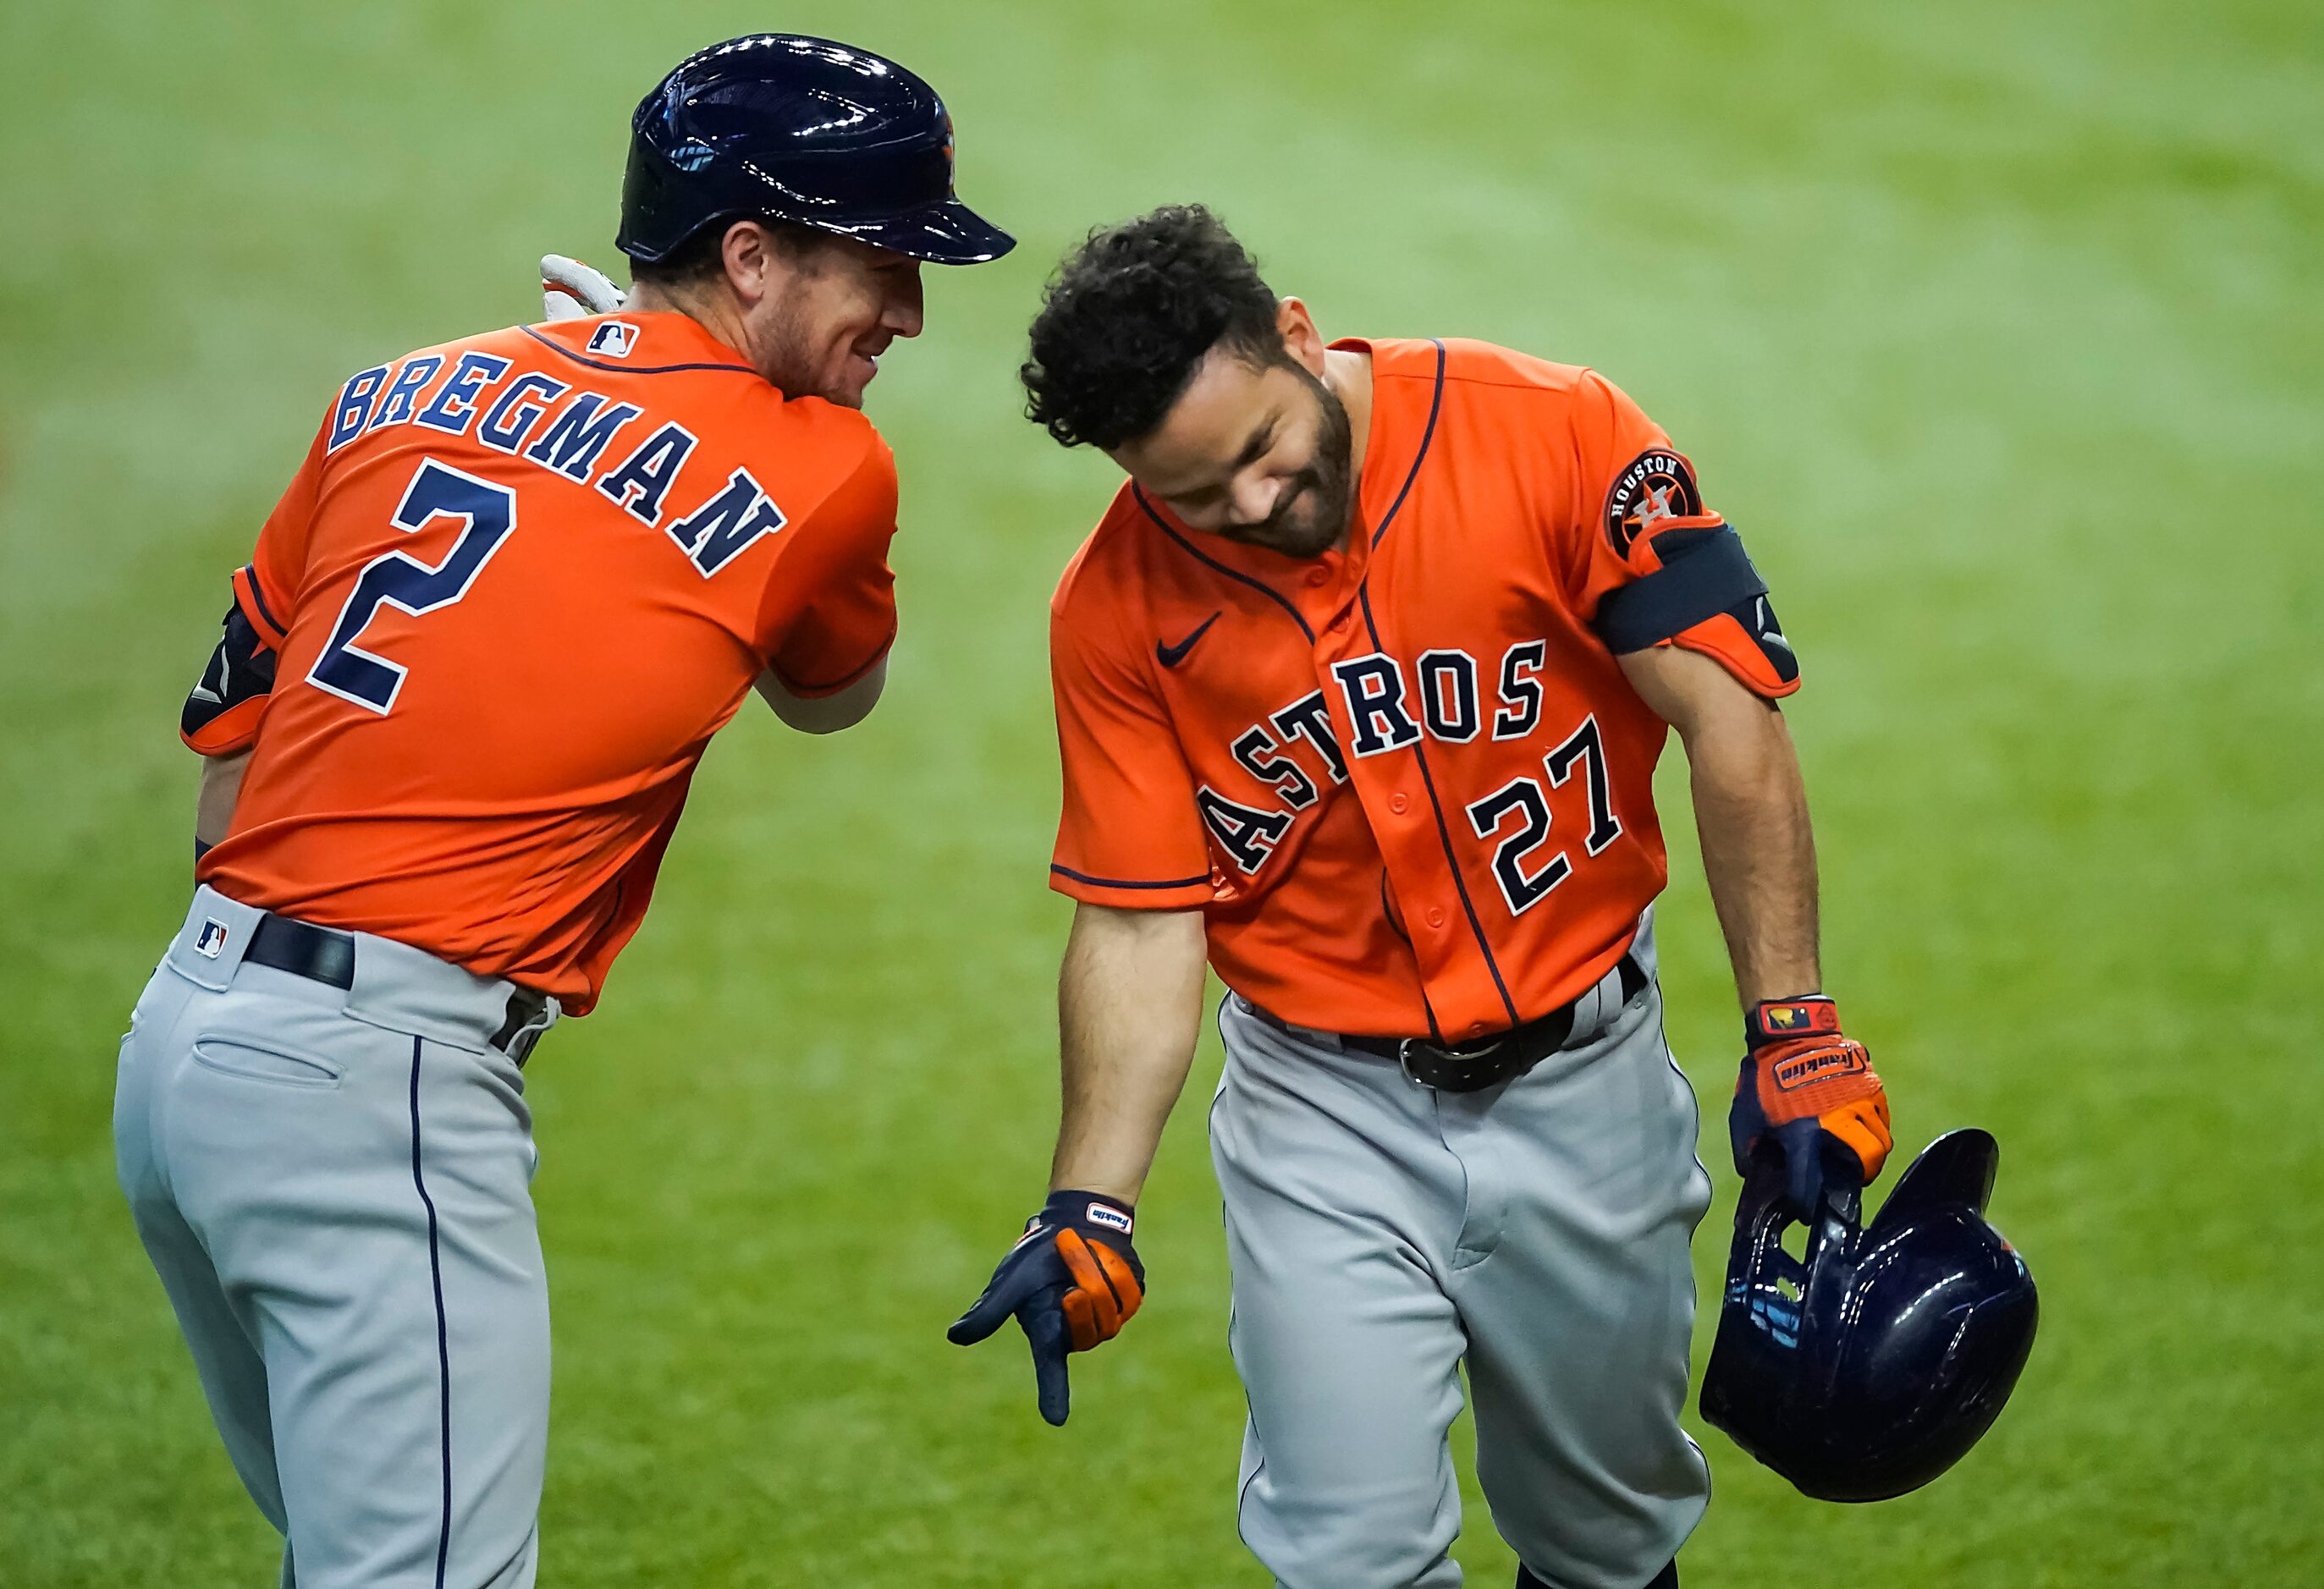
<point x="519" y="582"/>
<point x="1405" y="782"/>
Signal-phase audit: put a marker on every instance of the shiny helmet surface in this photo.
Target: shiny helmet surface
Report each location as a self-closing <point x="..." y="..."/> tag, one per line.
<point x="1867" y="1368"/>
<point x="787" y="127"/>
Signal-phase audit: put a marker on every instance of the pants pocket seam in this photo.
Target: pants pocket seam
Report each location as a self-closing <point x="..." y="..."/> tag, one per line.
<point x="207" y="1054"/>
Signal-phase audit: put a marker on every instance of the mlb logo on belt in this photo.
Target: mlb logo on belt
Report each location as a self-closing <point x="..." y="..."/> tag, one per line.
<point x="210" y="942"/>
<point x="614" y="339"/>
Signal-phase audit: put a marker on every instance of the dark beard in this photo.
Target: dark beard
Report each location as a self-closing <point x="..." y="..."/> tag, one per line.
<point x="1318" y="494"/>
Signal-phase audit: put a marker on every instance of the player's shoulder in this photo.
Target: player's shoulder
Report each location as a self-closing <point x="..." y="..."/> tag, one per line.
<point x="1487" y="368"/>
<point x="1428" y="361"/>
<point x="1103" y="577"/>
<point x="1462" y="380"/>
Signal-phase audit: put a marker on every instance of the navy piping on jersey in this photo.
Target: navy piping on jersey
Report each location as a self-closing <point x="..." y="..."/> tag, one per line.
<point x="1444" y="832"/>
<point x="443" y="1342"/>
<point x="259" y="596"/>
<point x="1435" y="401"/>
<point x="1419" y="749"/>
<point x="629" y="368"/>
<point x="1272" y="594"/>
<point x="1121" y="883"/>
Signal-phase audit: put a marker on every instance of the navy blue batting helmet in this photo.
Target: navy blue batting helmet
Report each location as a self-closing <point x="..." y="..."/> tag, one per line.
<point x="784" y="127"/>
<point x="1867" y="1370"/>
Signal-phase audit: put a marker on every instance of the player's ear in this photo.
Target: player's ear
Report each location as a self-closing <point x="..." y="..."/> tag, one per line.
<point x="749" y="252"/>
<point x="1301" y="340"/>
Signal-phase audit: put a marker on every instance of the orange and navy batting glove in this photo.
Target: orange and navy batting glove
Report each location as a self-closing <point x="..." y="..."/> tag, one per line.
<point x="1811" y="1094"/>
<point x="1072" y="1280"/>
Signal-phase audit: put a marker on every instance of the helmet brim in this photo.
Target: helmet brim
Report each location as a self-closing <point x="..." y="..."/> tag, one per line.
<point x="946" y="232"/>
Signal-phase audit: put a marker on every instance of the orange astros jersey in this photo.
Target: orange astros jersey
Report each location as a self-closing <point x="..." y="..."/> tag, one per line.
<point x="519" y="582"/>
<point x="1407" y="782"/>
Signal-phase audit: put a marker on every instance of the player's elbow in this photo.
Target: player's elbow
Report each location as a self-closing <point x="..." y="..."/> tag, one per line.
<point x="826" y="714"/>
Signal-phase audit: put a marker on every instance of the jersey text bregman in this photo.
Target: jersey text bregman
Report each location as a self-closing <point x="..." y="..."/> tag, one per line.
<point x="733" y="513"/>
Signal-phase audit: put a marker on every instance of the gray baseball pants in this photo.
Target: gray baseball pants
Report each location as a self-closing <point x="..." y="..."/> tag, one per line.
<point x="1381" y="1234"/>
<point x="335" y="1187"/>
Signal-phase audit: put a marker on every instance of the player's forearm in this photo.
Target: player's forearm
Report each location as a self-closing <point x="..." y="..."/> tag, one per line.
<point x="221" y="787"/>
<point x="1129" y="1001"/>
<point x="1751" y="811"/>
<point x="1758" y="851"/>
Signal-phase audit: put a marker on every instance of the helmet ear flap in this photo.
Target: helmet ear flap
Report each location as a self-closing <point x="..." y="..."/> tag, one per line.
<point x="1959" y="1167"/>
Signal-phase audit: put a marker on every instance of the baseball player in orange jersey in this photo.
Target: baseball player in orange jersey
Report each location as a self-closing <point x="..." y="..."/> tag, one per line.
<point x="1360" y="684"/>
<point x="518" y="583"/>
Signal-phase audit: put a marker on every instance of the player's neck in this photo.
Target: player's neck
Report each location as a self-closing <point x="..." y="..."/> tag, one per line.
<point x="714" y="312"/>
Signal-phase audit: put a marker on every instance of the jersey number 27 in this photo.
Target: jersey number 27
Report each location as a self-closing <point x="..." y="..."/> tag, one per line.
<point x="487" y="513"/>
<point x="1524" y="799"/>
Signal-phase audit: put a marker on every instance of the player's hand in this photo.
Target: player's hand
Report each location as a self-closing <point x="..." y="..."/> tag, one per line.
<point x="1811" y="1095"/>
<point x="1071" y="1280"/>
<point x="571" y="291"/>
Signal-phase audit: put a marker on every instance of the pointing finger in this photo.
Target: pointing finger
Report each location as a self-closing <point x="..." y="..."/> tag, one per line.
<point x="1045" y="1332"/>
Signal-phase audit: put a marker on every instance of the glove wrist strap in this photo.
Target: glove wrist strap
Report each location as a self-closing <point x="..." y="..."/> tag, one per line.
<point x="1780" y="1020"/>
<point x="1089" y="1210"/>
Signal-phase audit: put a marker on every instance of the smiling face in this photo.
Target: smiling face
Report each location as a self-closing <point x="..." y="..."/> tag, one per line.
<point x="1258" y="454"/>
<point x="824" y="310"/>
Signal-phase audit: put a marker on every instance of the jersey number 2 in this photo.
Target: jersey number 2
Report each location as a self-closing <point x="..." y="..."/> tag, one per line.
<point x="487" y="513"/>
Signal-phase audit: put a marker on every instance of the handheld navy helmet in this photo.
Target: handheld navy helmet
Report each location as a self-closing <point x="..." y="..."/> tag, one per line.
<point x="784" y="127"/>
<point x="1870" y="1368"/>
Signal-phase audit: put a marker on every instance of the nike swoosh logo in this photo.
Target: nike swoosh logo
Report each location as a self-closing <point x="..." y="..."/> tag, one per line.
<point x="1171" y="655"/>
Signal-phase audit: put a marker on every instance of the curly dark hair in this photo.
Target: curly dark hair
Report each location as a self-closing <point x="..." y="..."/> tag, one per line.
<point x="1131" y="313"/>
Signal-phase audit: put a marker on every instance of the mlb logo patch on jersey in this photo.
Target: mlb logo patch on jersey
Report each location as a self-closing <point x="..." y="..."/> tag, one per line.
<point x="615" y="339"/>
<point x="210" y="942"/>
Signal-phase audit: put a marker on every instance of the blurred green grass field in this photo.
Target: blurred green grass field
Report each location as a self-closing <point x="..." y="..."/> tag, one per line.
<point x="1998" y="328"/>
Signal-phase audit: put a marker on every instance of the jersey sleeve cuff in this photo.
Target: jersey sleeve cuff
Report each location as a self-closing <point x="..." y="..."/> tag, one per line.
<point x="805" y="691"/>
<point x="1131" y="893"/>
<point x="1725" y="641"/>
<point x="252" y="599"/>
<point x="230" y="733"/>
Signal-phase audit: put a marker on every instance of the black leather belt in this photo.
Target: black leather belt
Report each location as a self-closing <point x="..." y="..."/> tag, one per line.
<point x="1471" y="1067"/>
<point x="322" y="955"/>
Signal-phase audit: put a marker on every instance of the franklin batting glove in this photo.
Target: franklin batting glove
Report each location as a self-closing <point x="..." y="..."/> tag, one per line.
<point x="1071" y="1280"/>
<point x="1810" y="1094"/>
<point x="571" y="291"/>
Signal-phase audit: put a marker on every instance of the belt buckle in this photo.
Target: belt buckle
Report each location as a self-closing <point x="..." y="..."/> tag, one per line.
<point x="1404" y="1060"/>
<point x="1405" y="1050"/>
